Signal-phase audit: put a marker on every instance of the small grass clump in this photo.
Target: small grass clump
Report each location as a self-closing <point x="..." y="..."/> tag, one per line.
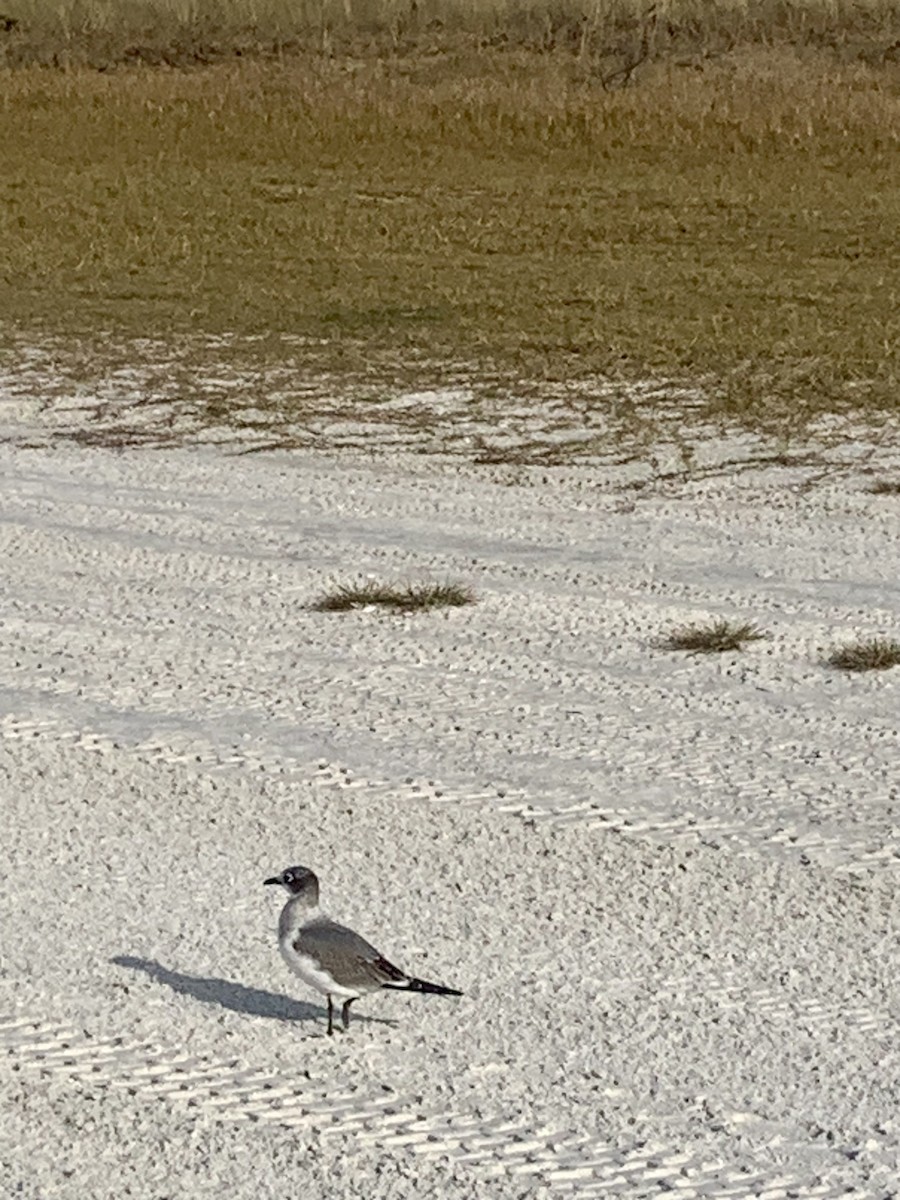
<point x="886" y="487"/>
<point x="714" y="638"/>
<point x="406" y="598"/>
<point x="867" y="654"/>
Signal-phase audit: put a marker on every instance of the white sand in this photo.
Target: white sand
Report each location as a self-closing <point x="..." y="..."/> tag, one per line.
<point x="666" y="884"/>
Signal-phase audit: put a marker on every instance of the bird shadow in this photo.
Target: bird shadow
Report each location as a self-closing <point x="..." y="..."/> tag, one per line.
<point x="233" y="996"/>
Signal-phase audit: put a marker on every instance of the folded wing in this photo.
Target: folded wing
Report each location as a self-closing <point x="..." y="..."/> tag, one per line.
<point x="348" y="958"/>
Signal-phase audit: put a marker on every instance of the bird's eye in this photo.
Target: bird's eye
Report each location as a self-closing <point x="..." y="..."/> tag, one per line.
<point x="287" y="877"/>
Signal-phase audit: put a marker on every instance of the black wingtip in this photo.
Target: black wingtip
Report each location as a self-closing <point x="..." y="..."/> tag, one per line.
<point x="421" y="985"/>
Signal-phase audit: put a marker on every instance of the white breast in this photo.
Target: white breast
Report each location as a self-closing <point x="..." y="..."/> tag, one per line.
<point x="310" y="971"/>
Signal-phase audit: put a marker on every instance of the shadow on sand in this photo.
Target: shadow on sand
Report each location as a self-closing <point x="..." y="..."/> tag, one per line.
<point x="223" y="992"/>
<point x="234" y="996"/>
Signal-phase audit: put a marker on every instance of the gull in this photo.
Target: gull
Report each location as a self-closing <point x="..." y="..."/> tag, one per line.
<point x="332" y="958"/>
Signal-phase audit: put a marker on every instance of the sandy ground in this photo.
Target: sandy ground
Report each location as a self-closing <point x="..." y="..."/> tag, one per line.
<point x="666" y="884"/>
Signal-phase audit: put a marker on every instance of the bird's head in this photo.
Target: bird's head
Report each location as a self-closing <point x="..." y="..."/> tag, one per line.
<point x="298" y="881"/>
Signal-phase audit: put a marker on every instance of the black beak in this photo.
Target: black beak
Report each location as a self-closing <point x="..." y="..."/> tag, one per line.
<point x="275" y="879"/>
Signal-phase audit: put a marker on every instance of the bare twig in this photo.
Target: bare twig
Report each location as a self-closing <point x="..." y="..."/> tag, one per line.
<point x="623" y="74"/>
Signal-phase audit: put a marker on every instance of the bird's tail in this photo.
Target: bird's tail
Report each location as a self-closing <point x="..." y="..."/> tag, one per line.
<point x="419" y="985"/>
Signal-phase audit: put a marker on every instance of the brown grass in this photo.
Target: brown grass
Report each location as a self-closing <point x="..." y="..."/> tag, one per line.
<point x="609" y="37"/>
<point x="475" y="194"/>
<point x="715" y="638"/>
<point x="867" y="654"/>
<point x="396" y="598"/>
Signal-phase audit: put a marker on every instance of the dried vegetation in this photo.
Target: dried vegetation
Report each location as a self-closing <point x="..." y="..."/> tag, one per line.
<point x="714" y="638"/>
<point x="396" y="598"/>
<point x="866" y="654"/>
<point x="539" y="191"/>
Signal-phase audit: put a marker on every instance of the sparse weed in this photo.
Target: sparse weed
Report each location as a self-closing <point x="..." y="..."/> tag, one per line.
<point x="867" y="654"/>
<point x="714" y="638"/>
<point x="405" y="598"/>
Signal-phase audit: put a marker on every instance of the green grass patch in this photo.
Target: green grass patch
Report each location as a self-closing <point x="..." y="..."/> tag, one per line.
<point x="405" y="598"/>
<point x="867" y="654"/>
<point x="714" y="638"/>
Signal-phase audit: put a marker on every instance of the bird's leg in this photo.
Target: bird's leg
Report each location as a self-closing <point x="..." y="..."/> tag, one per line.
<point x="330" y="1017"/>
<point x="345" y="1012"/>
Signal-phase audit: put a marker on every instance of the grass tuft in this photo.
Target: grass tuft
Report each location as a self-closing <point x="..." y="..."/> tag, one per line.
<point x="867" y="654"/>
<point x="886" y="487"/>
<point x="408" y="598"/>
<point x="712" y="639"/>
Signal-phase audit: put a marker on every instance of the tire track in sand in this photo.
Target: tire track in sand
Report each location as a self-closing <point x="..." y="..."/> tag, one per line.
<point x="226" y="1090"/>
<point x="845" y="851"/>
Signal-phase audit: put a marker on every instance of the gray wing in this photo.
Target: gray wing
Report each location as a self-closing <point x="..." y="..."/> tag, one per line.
<point x="347" y="957"/>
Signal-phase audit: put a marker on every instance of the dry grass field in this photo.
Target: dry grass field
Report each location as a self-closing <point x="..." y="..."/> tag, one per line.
<point x="541" y="192"/>
<point x="106" y="33"/>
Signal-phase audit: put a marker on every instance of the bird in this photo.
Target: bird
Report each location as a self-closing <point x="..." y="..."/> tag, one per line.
<point x="331" y="958"/>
